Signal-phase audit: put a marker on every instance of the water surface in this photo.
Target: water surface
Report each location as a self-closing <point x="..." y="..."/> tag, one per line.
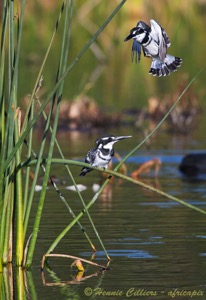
<point x="156" y="246"/>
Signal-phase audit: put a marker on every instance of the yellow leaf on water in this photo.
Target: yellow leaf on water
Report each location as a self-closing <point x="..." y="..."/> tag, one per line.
<point x="78" y="264"/>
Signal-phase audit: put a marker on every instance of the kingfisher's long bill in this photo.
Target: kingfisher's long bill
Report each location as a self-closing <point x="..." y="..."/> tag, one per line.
<point x="101" y="155"/>
<point x="119" y="138"/>
<point x="154" y="42"/>
<point x="130" y="36"/>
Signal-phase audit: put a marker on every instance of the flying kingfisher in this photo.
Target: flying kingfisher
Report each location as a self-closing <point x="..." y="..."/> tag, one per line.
<point x="154" y="42"/>
<point x="101" y="155"/>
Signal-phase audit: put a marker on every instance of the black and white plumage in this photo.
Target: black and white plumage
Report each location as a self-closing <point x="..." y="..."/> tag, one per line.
<point x="101" y="155"/>
<point x="154" y="42"/>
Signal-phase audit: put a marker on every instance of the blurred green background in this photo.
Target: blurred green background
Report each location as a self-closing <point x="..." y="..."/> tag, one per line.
<point x="106" y="73"/>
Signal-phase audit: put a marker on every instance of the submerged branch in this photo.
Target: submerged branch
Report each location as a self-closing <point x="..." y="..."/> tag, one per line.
<point x="71" y="257"/>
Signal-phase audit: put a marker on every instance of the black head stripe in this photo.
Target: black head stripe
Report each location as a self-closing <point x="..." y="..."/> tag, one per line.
<point x="140" y="30"/>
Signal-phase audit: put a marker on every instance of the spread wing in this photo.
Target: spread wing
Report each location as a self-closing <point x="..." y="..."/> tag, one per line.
<point x="136" y="51"/>
<point x="161" y="38"/>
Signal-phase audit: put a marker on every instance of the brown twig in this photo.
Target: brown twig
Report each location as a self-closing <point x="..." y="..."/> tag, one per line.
<point x="72" y="257"/>
<point x="145" y="167"/>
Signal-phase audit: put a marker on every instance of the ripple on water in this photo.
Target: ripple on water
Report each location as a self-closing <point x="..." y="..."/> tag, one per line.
<point x="129" y="253"/>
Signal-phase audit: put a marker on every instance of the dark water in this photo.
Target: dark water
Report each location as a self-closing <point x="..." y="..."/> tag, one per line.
<point x="157" y="247"/>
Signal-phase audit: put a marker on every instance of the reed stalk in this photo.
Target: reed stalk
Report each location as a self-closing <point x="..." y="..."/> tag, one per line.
<point x="31" y="286"/>
<point x="20" y="283"/>
<point x="19" y="205"/>
<point x="7" y="289"/>
<point x="8" y="230"/>
<point x="27" y="204"/>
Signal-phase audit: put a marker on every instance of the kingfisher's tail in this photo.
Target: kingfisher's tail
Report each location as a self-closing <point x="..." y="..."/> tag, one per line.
<point x="85" y="171"/>
<point x="163" y="68"/>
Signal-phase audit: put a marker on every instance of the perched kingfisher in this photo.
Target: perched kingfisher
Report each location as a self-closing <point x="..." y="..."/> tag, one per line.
<point x="154" y="42"/>
<point x="101" y="155"/>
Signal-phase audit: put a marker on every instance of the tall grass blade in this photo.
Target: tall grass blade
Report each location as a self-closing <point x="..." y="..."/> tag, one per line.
<point x="7" y="230"/>
<point x="31" y="286"/>
<point x="2" y="71"/>
<point x="27" y="176"/>
<point x="7" y="289"/>
<point x="20" y="283"/>
<point x="2" y="122"/>
<point x="19" y="205"/>
<point x="43" y="192"/>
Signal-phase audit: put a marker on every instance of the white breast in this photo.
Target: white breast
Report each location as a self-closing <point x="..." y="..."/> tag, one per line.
<point x="101" y="160"/>
<point x="152" y="48"/>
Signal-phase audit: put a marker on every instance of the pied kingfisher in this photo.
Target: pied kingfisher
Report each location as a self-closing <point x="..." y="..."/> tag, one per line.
<point x="101" y="155"/>
<point x="154" y="42"/>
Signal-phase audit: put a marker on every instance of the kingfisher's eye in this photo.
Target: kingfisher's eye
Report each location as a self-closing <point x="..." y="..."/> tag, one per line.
<point x="140" y="30"/>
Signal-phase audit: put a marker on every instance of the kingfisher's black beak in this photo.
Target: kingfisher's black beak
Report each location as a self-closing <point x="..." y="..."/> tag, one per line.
<point x="119" y="138"/>
<point x="130" y="36"/>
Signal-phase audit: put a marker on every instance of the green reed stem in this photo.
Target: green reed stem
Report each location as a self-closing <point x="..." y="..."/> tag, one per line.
<point x="42" y="196"/>
<point x="2" y="108"/>
<point x="7" y="284"/>
<point x="20" y="283"/>
<point x="19" y="207"/>
<point x="27" y="177"/>
<point x="2" y="73"/>
<point x="10" y="108"/>
<point x="7" y="215"/>
<point x="31" y="285"/>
